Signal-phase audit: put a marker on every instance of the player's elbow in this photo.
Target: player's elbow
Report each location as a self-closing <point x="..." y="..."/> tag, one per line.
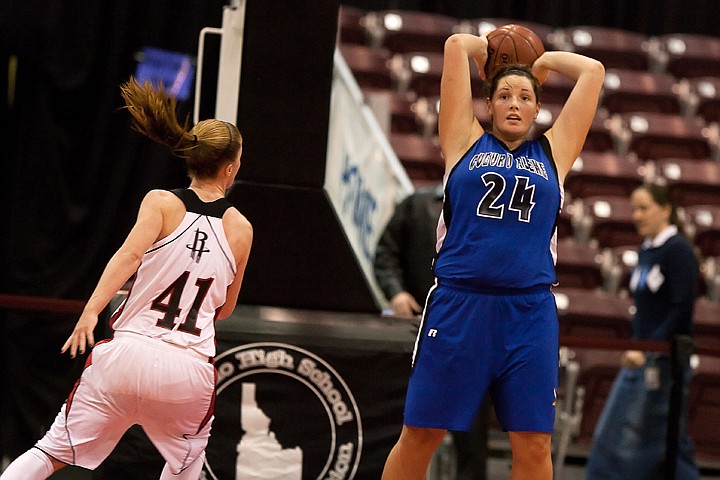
<point x="129" y="257"/>
<point x="456" y="41"/>
<point x="596" y="69"/>
<point x="226" y="310"/>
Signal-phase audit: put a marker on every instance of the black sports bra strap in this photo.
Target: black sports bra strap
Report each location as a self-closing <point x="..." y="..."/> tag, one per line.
<point x="193" y="203"/>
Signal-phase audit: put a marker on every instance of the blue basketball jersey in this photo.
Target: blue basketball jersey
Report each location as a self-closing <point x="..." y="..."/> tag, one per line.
<point x="498" y="226"/>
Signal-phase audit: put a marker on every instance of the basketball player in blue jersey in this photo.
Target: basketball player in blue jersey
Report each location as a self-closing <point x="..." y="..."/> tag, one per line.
<point x="490" y="322"/>
<point x="186" y="255"/>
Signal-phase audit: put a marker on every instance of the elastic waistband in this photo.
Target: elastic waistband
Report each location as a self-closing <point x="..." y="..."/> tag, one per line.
<point x="492" y="290"/>
<point x="162" y="344"/>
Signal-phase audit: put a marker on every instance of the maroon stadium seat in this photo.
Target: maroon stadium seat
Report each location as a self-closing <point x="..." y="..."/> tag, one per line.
<point x="599" y="138"/>
<point x="639" y="91"/>
<point x="556" y="88"/>
<point x="703" y="409"/>
<point x="687" y="55"/>
<point x="704" y="223"/>
<point x="419" y="155"/>
<point x="407" y="112"/>
<point x="603" y="173"/>
<point x="706" y="320"/>
<point x="652" y="135"/>
<point x="598" y="369"/>
<point x="618" y="264"/>
<point x="584" y="311"/>
<point x="409" y="31"/>
<point x="614" y="47"/>
<point x="351" y="28"/>
<point x="564" y="222"/>
<point x="370" y="66"/>
<point x="691" y="181"/>
<point x="578" y="265"/>
<point x="426" y="69"/>
<point x="608" y="221"/>
<point x="705" y="94"/>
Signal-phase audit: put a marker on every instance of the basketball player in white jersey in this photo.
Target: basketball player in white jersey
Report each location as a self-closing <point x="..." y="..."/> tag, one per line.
<point x="186" y="256"/>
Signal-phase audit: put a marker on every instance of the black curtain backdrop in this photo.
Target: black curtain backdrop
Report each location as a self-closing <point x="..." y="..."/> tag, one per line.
<point x="74" y="173"/>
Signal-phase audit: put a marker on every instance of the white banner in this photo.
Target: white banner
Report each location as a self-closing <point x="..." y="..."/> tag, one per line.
<point x="363" y="178"/>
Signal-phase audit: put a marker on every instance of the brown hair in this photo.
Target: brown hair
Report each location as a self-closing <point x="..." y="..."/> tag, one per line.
<point x="662" y="196"/>
<point x="206" y="147"/>
<point x="512" y="69"/>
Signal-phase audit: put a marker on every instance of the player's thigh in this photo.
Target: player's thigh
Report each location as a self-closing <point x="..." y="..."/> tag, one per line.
<point x="524" y="395"/>
<point x="180" y="429"/>
<point x="180" y="432"/>
<point x="86" y="429"/>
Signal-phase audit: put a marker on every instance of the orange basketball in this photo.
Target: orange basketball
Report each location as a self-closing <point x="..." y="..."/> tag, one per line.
<point x="512" y="44"/>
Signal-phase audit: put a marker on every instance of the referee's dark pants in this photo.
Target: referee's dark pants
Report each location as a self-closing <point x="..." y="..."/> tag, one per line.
<point x="472" y="447"/>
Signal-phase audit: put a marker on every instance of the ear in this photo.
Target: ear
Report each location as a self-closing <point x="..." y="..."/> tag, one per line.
<point x="667" y="210"/>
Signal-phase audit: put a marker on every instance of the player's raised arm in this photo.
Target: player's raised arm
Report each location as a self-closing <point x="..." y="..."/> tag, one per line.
<point x="568" y="133"/>
<point x="457" y="126"/>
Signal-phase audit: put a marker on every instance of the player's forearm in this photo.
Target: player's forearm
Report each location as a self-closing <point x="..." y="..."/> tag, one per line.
<point x="118" y="270"/>
<point x="472" y="46"/>
<point x="571" y="64"/>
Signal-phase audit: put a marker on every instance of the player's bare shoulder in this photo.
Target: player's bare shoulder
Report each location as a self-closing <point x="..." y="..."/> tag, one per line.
<point x="169" y="208"/>
<point x="163" y="199"/>
<point x="239" y="232"/>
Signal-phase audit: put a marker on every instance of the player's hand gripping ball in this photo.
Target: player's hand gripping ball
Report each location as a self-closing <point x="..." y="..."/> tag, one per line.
<point x="512" y="44"/>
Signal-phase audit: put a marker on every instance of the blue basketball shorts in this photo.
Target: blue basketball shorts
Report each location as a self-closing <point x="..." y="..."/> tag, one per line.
<point x="470" y="344"/>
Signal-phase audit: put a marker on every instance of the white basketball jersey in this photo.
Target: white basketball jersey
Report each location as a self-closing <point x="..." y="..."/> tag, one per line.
<point x="182" y="280"/>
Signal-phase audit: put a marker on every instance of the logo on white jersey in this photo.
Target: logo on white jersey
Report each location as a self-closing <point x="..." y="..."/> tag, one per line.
<point x="198" y="246"/>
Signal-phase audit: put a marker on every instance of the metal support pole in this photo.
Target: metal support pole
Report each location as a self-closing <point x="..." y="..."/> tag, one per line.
<point x="231" y="46"/>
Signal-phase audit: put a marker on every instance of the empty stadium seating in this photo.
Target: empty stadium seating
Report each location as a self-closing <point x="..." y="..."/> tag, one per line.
<point x="687" y="55"/>
<point x="653" y="135"/>
<point x="599" y="138"/>
<point x="703" y="409"/>
<point x="564" y="221"/>
<point x="351" y="25"/>
<point x="607" y="221"/>
<point x="403" y="110"/>
<point x="603" y="173"/>
<point x="704" y="224"/>
<point x="425" y="70"/>
<point x="578" y="265"/>
<point x="556" y="88"/>
<point x="407" y="31"/>
<point x="627" y="90"/>
<point x="420" y="155"/>
<point x="617" y="265"/>
<point x="370" y="66"/>
<point x="598" y="369"/>
<point x="614" y="47"/>
<point x="704" y="97"/>
<point x="706" y="320"/>
<point x="691" y="181"/>
<point x="583" y="311"/>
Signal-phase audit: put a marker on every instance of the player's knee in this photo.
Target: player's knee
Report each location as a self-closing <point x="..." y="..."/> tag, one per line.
<point x="421" y="438"/>
<point x="531" y="447"/>
<point x="192" y="472"/>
